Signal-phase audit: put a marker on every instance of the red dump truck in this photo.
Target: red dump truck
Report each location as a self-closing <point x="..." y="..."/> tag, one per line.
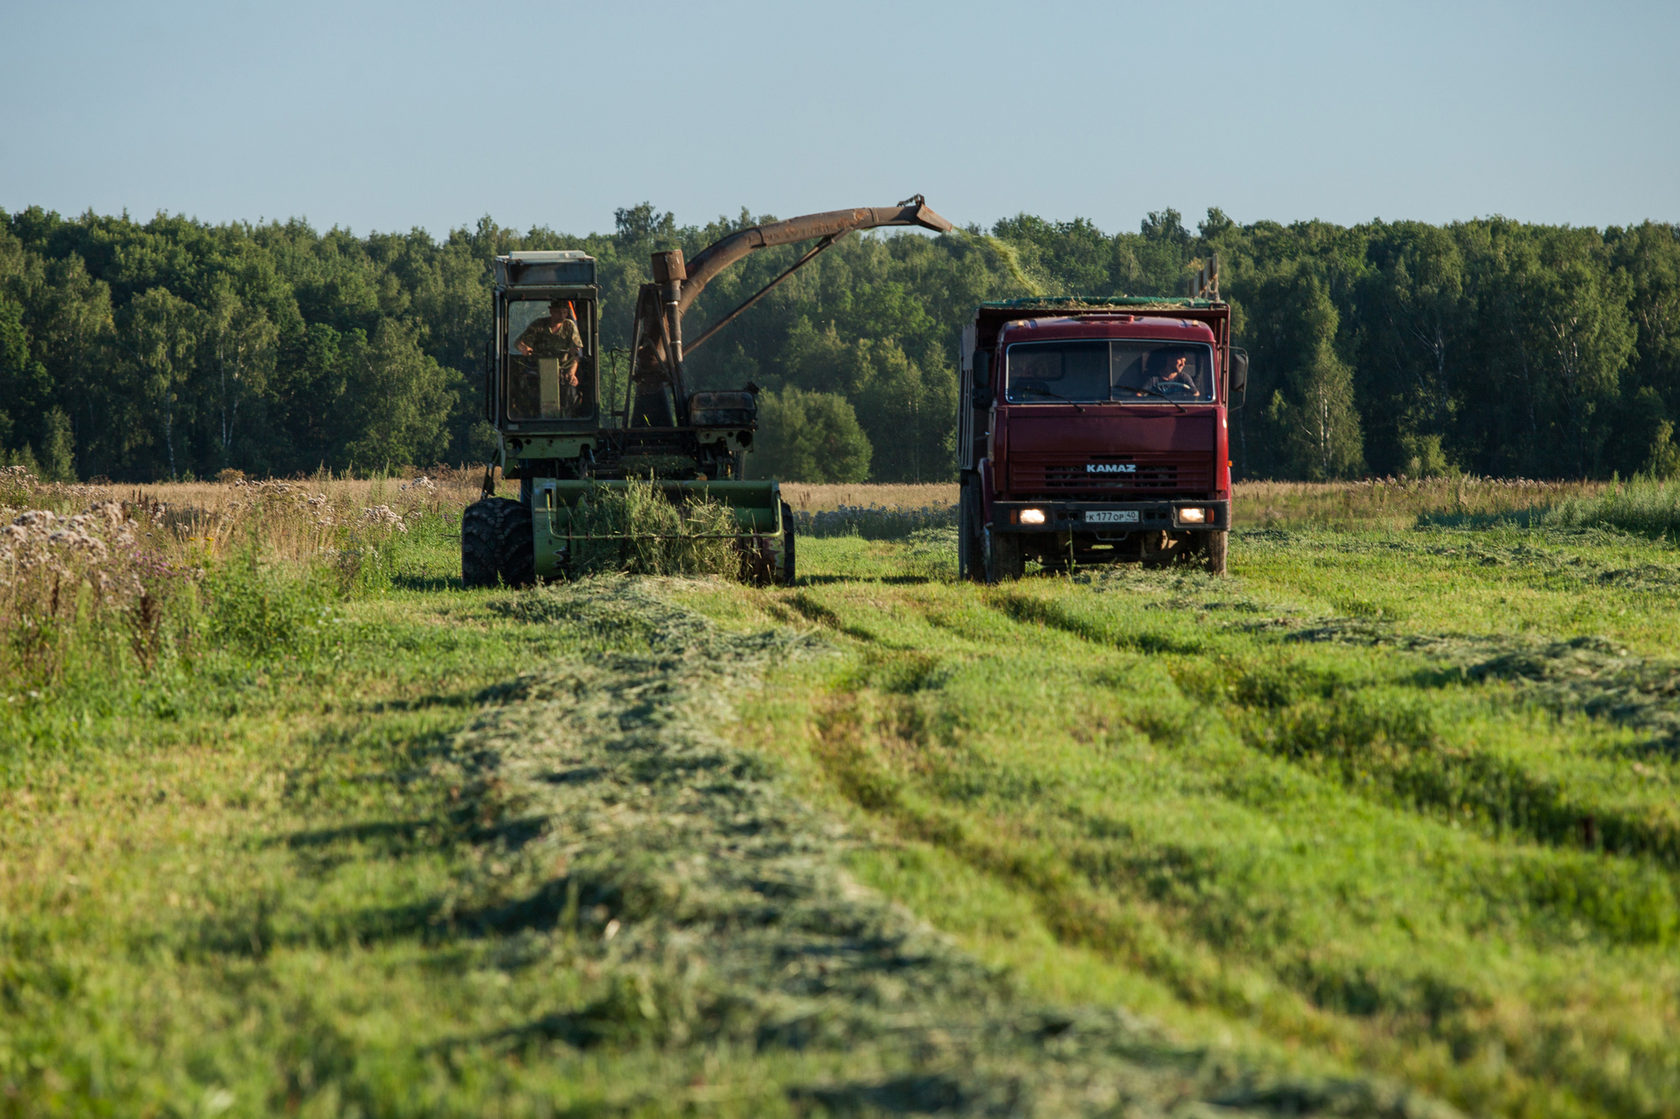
<point x="1094" y="431"/>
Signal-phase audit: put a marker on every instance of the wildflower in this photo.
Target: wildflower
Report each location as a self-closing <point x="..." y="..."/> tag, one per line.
<point x="384" y="515"/>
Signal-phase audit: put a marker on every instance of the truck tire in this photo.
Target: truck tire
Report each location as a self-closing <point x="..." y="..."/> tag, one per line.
<point x="787" y="545"/>
<point x="517" y="561"/>
<point x="1004" y="559"/>
<point x="1214" y="545"/>
<point x="480" y="543"/>
<point x="970" y="562"/>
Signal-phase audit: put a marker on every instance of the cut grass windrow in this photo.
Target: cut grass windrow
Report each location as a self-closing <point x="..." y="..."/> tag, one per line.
<point x="717" y="906"/>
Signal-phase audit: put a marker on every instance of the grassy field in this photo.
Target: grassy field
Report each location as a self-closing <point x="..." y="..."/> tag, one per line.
<point x="1384" y="823"/>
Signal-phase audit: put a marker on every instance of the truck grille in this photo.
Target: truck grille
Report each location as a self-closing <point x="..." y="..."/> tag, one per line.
<point x="1149" y="474"/>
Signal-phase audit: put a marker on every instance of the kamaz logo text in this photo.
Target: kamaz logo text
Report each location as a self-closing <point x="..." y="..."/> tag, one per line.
<point x="1111" y="468"/>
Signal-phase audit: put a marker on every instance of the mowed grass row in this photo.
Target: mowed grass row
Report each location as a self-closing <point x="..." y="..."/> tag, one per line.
<point x="1399" y="801"/>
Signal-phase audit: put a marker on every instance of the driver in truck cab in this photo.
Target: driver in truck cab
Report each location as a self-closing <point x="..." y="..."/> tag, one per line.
<point x="1173" y="374"/>
<point x="556" y="335"/>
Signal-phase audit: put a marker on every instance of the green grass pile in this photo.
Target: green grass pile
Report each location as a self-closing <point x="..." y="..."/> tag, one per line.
<point x="641" y="531"/>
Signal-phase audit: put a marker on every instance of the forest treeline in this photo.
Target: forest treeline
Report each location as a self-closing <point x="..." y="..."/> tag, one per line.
<point x="171" y="348"/>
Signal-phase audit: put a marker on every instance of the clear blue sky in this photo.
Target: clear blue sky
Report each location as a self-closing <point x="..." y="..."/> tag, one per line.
<point x="377" y="115"/>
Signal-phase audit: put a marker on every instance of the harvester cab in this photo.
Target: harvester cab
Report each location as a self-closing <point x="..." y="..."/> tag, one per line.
<point x="546" y="377"/>
<point x="564" y="443"/>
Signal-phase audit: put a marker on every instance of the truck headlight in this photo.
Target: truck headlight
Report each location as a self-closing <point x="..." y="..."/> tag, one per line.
<point x="1192" y="516"/>
<point x="1032" y="516"/>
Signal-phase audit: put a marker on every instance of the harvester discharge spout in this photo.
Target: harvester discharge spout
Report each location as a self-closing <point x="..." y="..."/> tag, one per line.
<point x="678" y="283"/>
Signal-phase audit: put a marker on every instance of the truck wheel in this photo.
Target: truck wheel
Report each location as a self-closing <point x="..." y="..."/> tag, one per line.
<point x="787" y="545"/>
<point x="1004" y="560"/>
<point x="1214" y="545"/>
<point x="516" y="552"/>
<point x="480" y="543"/>
<point x="970" y="563"/>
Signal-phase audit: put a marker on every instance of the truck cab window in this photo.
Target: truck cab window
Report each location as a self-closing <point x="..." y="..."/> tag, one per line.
<point x="1076" y="371"/>
<point x="1103" y="371"/>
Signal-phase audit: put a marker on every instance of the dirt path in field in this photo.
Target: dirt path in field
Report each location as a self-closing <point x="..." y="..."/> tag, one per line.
<point x="715" y="913"/>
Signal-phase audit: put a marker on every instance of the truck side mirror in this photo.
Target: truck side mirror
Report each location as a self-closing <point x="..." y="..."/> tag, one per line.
<point x="1239" y="379"/>
<point x="982" y="379"/>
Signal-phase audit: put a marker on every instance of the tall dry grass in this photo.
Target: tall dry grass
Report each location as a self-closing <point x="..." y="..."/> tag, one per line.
<point x="817" y="497"/>
<point x="134" y="576"/>
<point x="1644" y="505"/>
<point x="1396" y="502"/>
<point x="1390" y="503"/>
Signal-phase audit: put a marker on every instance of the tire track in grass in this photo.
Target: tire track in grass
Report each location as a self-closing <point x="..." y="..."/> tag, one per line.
<point x="1097" y="886"/>
<point x="714" y="905"/>
<point x="1399" y="741"/>
<point x="1408" y="753"/>
<point x="1532" y="894"/>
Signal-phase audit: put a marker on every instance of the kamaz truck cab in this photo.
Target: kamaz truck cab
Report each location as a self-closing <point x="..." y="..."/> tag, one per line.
<point x="1094" y="431"/>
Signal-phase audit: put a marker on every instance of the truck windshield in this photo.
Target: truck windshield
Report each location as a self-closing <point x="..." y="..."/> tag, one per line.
<point x="1096" y="371"/>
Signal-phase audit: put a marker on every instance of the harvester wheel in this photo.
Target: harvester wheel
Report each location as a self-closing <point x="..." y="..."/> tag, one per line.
<point x="1004" y="558"/>
<point x="517" y="556"/>
<point x="787" y="545"/>
<point x="480" y="538"/>
<point x="1214" y="544"/>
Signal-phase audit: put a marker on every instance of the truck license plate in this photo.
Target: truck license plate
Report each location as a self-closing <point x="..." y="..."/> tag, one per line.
<point x="1111" y="516"/>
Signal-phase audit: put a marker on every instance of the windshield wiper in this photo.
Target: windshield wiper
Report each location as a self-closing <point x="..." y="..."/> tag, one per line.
<point x="1168" y="397"/>
<point x="1057" y="396"/>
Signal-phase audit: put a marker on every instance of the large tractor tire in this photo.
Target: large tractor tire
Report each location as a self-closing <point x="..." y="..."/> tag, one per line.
<point x="1214" y="546"/>
<point x="518" y="562"/>
<point x="1005" y="560"/>
<point x="496" y="544"/>
<point x="480" y="543"/>
<point x="787" y="545"/>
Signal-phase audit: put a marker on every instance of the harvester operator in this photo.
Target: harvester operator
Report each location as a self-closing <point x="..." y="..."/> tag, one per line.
<point x="556" y="335"/>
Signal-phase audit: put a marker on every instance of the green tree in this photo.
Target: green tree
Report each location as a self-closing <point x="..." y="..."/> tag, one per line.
<point x="906" y="411"/>
<point x="25" y="387"/>
<point x="1311" y="419"/>
<point x="58" y="448"/>
<point x="162" y="334"/>
<point x="397" y="401"/>
<point x="68" y="314"/>
<point x="1164" y="251"/>
<point x="1649" y="256"/>
<point x="1412" y="313"/>
<point x="241" y="347"/>
<point x="1553" y="337"/>
<point x="809" y="437"/>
